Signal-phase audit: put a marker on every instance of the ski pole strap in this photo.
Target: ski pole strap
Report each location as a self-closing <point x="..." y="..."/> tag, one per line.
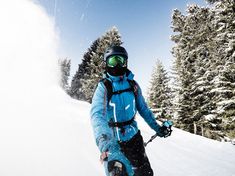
<point x="121" y="124"/>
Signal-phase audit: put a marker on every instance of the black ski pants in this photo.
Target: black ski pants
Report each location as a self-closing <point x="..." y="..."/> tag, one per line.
<point x="135" y="152"/>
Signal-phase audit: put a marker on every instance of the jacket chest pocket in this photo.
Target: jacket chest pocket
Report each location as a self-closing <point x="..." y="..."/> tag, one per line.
<point x="123" y="106"/>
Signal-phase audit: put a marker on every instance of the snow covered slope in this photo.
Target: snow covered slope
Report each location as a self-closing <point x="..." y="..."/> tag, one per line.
<point x="187" y="154"/>
<point x="64" y="145"/>
<point x="180" y="154"/>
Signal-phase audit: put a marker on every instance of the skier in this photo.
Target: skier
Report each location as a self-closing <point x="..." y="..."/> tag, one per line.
<point x="115" y="103"/>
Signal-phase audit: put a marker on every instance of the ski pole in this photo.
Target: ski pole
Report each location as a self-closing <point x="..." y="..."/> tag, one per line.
<point x="166" y="129"/>
<point x="150" y="140"/>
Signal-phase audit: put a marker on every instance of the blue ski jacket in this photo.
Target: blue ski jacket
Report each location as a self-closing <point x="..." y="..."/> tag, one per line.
<point x="121" y="107"/>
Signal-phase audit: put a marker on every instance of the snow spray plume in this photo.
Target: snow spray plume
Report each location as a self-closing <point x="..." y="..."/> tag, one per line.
<point x="36" y="137"/>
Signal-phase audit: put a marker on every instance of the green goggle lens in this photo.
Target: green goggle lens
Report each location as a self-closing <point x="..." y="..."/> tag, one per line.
<point x="115" y="60"/>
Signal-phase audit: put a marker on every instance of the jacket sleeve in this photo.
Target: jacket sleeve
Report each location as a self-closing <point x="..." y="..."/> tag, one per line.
<point x="145" y="112"/>
<point x="102" y="132"/>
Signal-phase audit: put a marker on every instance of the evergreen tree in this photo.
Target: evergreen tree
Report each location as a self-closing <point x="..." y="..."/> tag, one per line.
<point x="178" y="23"/>
<point x="212" y="1"/>
<point x="223" y="82"/>
<point x="204" y="68"/>
<point x="65" y="65"/>
<point x="194" y="43"/>
<point x="84" y="70"/>
<point x="111" y="37"/>
<point x="159" y="92"/>
<point x="185" y="65"/>
<point x="91" y="69"/>
<point x="202" y="52"/>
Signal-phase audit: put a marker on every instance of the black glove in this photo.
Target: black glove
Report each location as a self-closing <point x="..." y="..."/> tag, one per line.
<point x="165" y="129"/>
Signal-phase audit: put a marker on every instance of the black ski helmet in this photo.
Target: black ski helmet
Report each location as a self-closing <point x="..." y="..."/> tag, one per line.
<point x="115" y="50"/>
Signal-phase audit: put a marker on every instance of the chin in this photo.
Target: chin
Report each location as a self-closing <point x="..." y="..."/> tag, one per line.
<point x="117" y="72"/>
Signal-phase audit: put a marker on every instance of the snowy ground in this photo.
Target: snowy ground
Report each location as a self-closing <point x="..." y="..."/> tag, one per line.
<point x="181" y="154"/>
<point x="65" y="146"/>
<point x="43" y="132"/>
<point x="187" y="154"/>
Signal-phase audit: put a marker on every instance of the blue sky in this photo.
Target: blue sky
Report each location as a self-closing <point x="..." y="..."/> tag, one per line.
<point x="143" y="24"/>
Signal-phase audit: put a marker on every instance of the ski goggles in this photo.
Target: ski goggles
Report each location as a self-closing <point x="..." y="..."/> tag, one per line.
<point x="115" y="60"/>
